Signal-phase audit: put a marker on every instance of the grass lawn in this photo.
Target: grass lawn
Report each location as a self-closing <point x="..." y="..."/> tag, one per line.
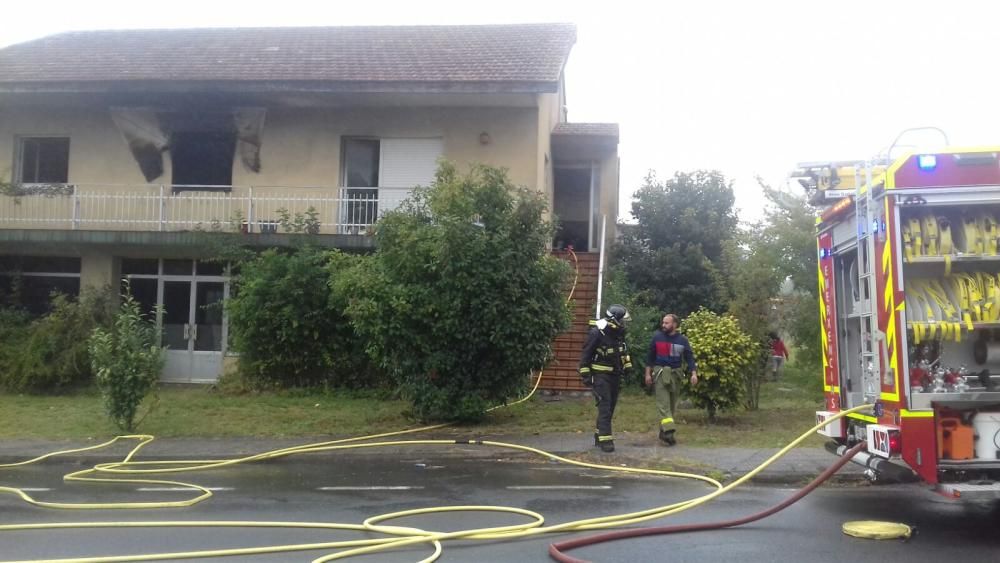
<point x="787" y="409"/>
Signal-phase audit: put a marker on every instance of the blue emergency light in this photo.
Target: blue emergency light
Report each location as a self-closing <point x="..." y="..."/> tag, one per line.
<point x="927" y="162"/>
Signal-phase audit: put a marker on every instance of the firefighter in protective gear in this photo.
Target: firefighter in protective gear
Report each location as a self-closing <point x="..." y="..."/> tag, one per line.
<point x="603" y="362"/>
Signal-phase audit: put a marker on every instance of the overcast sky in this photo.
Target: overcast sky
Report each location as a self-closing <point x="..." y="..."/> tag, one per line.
<point x="749" y="88"/>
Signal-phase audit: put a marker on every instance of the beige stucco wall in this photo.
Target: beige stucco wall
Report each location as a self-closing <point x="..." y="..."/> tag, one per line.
<point x="97" y="152"/>
<point x="608" y="175"/>
<point x="97" y="270"/>
<point x="549" y="110"/>
<point x="300" y="147"/>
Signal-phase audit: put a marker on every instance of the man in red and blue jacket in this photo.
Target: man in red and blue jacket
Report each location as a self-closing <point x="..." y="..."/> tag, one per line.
<point x="669" y="351"/>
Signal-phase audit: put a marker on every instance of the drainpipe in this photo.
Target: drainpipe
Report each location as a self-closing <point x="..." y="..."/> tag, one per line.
<point x="600" y="265"/>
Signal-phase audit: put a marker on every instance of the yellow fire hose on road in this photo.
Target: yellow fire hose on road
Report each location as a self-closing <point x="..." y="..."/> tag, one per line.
<point x="399" y="536"/>
<point x="136" y="472"/>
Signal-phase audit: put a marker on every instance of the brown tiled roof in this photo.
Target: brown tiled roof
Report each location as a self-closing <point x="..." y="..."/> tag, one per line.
<point x="523" y="53"/>
<point x="587" y="129"/>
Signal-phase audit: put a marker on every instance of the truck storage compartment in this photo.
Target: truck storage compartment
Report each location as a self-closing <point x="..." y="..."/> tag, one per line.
<point x="956" y="439"/>
<point x="987" y="426"/>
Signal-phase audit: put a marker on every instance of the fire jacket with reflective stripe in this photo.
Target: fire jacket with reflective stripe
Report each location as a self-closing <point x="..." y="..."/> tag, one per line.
<point x="604" y="351"/>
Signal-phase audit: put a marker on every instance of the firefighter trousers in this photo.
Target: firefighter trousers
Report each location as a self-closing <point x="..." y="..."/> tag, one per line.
<point x="605" y="389"/>
<point x="667" y="382"/>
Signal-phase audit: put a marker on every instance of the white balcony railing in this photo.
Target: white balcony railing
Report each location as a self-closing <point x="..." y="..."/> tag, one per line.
<point x="248" y="209"/>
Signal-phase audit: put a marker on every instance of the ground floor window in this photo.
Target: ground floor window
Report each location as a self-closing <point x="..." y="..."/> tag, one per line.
<point x="28" y="282"/>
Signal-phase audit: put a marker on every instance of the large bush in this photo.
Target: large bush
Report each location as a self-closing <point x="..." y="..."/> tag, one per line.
<point x="49" y="354"/>
<point x="723" y="353"/>
<point x="462" y="299"/>
<point x="289" y="326"/>
<point x="14" y="325"/>
<point x="127" y="360"/>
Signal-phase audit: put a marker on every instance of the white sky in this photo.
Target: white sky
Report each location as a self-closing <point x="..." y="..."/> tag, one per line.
<point x="745" y="87"/>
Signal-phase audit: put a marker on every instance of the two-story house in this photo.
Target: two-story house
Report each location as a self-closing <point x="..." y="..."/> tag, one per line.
<point x="122" y="145"/>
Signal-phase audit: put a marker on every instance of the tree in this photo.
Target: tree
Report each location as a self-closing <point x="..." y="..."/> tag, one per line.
<point x="789" y="239"/>
<point x="462" y="299"/>
<point x="778" y="250"/>
<point x="754" y="279"/>
<point x="675" y="251"/>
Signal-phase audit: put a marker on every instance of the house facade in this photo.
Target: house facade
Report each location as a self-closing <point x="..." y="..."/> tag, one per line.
<point x="124" y="148"/>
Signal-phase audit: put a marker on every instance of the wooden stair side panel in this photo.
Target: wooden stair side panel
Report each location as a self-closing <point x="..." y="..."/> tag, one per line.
<point x="561" y="374"/>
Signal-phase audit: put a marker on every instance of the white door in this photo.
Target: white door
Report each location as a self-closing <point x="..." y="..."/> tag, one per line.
<point x="193" y="329"/>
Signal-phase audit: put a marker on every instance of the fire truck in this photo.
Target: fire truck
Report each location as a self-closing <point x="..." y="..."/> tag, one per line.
<point x="909" y="284"/>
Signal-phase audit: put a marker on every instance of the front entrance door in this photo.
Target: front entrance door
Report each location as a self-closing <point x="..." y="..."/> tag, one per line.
<point x="193" y="324"/>
<point x="192" y="330"/>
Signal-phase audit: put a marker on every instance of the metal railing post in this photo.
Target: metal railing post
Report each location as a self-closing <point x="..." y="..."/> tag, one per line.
<point x="163" y="204"/>
<point x="76" y="207"/>
<point x="250" y="210"/>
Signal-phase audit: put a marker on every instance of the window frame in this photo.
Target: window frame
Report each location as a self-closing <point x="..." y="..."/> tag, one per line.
<point x="19" y="154"/>
<point x="365" y="207"/>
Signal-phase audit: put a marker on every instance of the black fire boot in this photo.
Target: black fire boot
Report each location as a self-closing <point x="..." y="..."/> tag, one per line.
<point x="667" y="437"/>
<point x="597" y="441"/>
<point x="607" y="446"/>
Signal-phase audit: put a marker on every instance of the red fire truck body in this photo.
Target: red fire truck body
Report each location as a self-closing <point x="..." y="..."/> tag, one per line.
<point x="909" y="282"/>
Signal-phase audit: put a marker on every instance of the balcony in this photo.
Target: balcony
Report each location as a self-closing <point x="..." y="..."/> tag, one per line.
<point x="166" y="208"/>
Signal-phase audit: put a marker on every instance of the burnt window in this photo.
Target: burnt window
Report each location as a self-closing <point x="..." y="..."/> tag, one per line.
<point x="43" y="160"/>
<point x="202" y="160"/>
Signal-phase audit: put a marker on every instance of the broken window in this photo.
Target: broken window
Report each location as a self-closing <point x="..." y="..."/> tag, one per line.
<point x="202" y="160"/>
<point x="43" y="160"/>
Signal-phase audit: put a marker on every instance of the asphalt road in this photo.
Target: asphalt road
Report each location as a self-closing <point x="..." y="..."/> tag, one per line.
<point x="354" y="486"/>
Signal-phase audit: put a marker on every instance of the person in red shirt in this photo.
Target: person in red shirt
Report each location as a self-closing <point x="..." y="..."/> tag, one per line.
<point x="778" y="356"/>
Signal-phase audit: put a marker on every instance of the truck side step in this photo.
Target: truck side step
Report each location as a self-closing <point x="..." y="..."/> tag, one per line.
<point x="975" y="490"/>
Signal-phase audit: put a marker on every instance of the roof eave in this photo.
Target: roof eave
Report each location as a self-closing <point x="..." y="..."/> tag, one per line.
<point x="312" y="86"/>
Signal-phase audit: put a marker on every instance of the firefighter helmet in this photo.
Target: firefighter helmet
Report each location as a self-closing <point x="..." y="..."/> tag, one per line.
<point x="618" y="314"/>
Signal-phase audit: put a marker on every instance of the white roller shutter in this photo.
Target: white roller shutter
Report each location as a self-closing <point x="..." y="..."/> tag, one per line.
<point x="407" y="163"/>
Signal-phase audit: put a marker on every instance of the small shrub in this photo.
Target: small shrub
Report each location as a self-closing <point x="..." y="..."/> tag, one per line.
<point x="50" y="354"/>
<point x="127" y="360"/>
<point x="723" y="353"/>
